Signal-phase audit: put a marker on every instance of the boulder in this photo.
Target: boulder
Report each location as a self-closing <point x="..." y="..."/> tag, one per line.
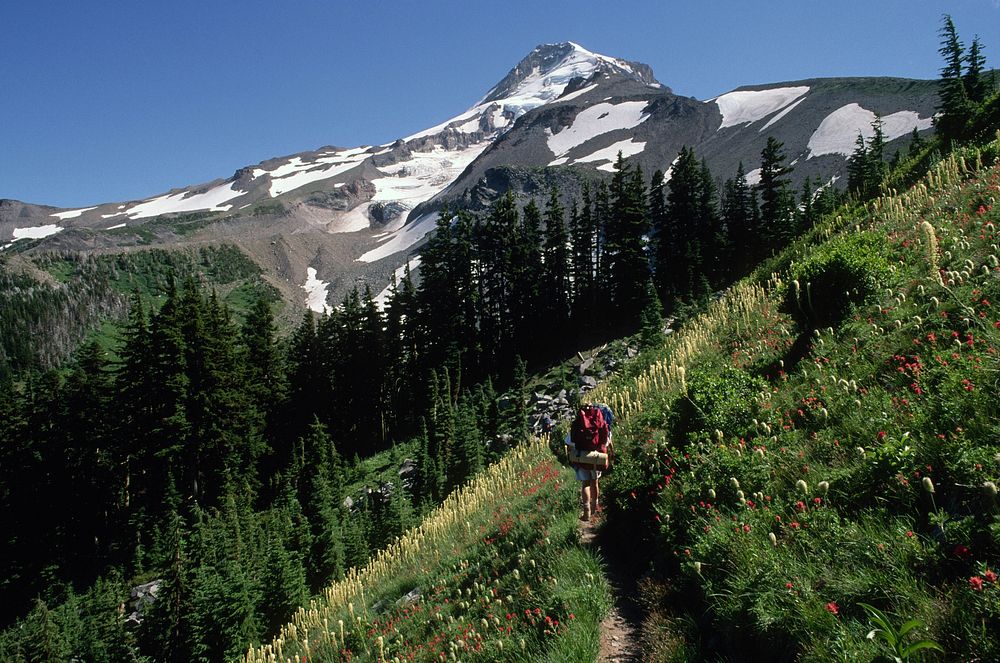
<point x="411" y="596"/>
<point x="141" y="597"/>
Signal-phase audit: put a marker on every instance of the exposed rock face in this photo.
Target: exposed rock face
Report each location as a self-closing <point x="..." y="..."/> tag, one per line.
<point x="343" y="198"/>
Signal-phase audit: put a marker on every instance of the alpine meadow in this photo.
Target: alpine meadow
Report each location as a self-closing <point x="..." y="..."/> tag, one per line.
<point x="319" y="410"/>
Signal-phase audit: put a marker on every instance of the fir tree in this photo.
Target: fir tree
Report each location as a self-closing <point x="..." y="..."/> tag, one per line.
<point x="628" y="264"/>
<point x="651" y="322"/>
<point x="976" y="87"/>
<point x="777" y="202"/>
<point x="738" y="218"/>
<point x="555" y="274"/>
<point x="954" y="106"/>
<point x="530" y="293"/>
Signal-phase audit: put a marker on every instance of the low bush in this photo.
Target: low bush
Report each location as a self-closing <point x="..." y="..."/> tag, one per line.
<point x="839" y="274"/>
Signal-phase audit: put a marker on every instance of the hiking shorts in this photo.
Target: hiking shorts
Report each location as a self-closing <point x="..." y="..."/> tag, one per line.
<point x="583" y="474"/>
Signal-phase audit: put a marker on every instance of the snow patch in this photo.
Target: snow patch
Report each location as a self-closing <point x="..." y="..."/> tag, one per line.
<point x="211" y="200"/>
<point x="469" y="115"/>
<point x="424" y="174"/>
<point x="596" y="120"/>
<point x="115" y="227"/>
<point x="670" y="169"/>
<point x="838" y="132"/>
<point x="753" y="177"/>
<point x="747" y="106"/>
<point x="298" y="173"/>
<point x="72" y="214"/>
<point x="316" y="292"/>
<point x="36" y="232"/>
<point x="353" y="221"/>
<point x="403" y="238"/>
<point x="627" y="148"/>
<point x="470" y="127"/>
<point x="578" y="93"/>
<point x="788" y="109"/>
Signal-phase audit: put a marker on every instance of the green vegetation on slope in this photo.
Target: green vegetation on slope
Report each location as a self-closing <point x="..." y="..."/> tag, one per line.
<point x="793" y="457"/>
<point x="495" y="573"/>
<point x="51" y="303"/>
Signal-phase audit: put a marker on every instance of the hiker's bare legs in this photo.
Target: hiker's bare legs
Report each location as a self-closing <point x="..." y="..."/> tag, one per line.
<point x="585" y="499"/>
<point x="595" y="494"/>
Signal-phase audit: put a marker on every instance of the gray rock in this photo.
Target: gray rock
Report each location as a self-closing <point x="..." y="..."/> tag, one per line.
<point x="587" y="382"/>
<point x="348" y="502"/>
<point x="407" y="468"/>
<point x="141" y="597"/>
<point x="585" y="366"/>
<point x="411" y="596"/>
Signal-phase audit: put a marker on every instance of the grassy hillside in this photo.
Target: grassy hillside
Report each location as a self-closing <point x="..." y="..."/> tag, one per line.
<point x="816" y="441"/>
<point x="495" y="573"/>
<point x="829" y="438"/>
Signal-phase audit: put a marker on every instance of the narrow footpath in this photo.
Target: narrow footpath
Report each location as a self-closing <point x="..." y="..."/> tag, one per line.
<point x="620" y="629"/>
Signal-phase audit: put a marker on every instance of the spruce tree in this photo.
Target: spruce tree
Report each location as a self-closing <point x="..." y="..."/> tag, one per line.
<point x="583" y="236"/>
<point x="651" y="322"/>
<point x="857" y="167"/>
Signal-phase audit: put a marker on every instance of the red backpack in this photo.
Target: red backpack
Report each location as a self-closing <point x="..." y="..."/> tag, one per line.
<point x="589" y="431"/>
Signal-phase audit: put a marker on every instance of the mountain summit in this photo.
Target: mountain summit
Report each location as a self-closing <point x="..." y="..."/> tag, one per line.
<point x="546" y="73"/>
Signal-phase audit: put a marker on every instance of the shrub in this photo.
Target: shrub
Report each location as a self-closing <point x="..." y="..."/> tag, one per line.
<point x="722" y="399"/>
<point x="839" y="274"/>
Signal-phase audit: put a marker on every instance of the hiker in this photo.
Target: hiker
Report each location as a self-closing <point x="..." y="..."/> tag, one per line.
<point x="589" y="443"/>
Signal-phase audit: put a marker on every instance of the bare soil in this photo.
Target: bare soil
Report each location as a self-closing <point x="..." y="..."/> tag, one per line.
<point x="620" y="629"/>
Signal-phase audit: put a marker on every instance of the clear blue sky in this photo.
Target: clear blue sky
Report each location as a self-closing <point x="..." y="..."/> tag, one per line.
<point x="104" y="101"/>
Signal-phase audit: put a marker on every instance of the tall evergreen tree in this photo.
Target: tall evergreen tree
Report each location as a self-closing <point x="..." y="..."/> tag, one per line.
<point x="738" y="218"/>
<point x="628" y="264"/>
<point x="265" y="377"/>
<point x="584" y="236"/>
<point x="556" y="282"/>
<point x="679" y="248"/>
<point x="954" y="106"/>
<point x="976" y="85"/>
<point x="777" y="201"/>
<point x="496" y="235"/>
<point x="528" y="280"/>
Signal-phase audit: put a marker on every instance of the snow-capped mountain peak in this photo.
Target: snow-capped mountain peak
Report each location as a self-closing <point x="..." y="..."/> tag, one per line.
<point x="543" y="75"/>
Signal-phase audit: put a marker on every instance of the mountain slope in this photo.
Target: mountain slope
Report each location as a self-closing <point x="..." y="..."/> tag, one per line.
<point x="561" y="115"/>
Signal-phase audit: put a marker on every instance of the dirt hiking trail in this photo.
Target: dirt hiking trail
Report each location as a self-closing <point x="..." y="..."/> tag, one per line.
<point x="621" y="628"/>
